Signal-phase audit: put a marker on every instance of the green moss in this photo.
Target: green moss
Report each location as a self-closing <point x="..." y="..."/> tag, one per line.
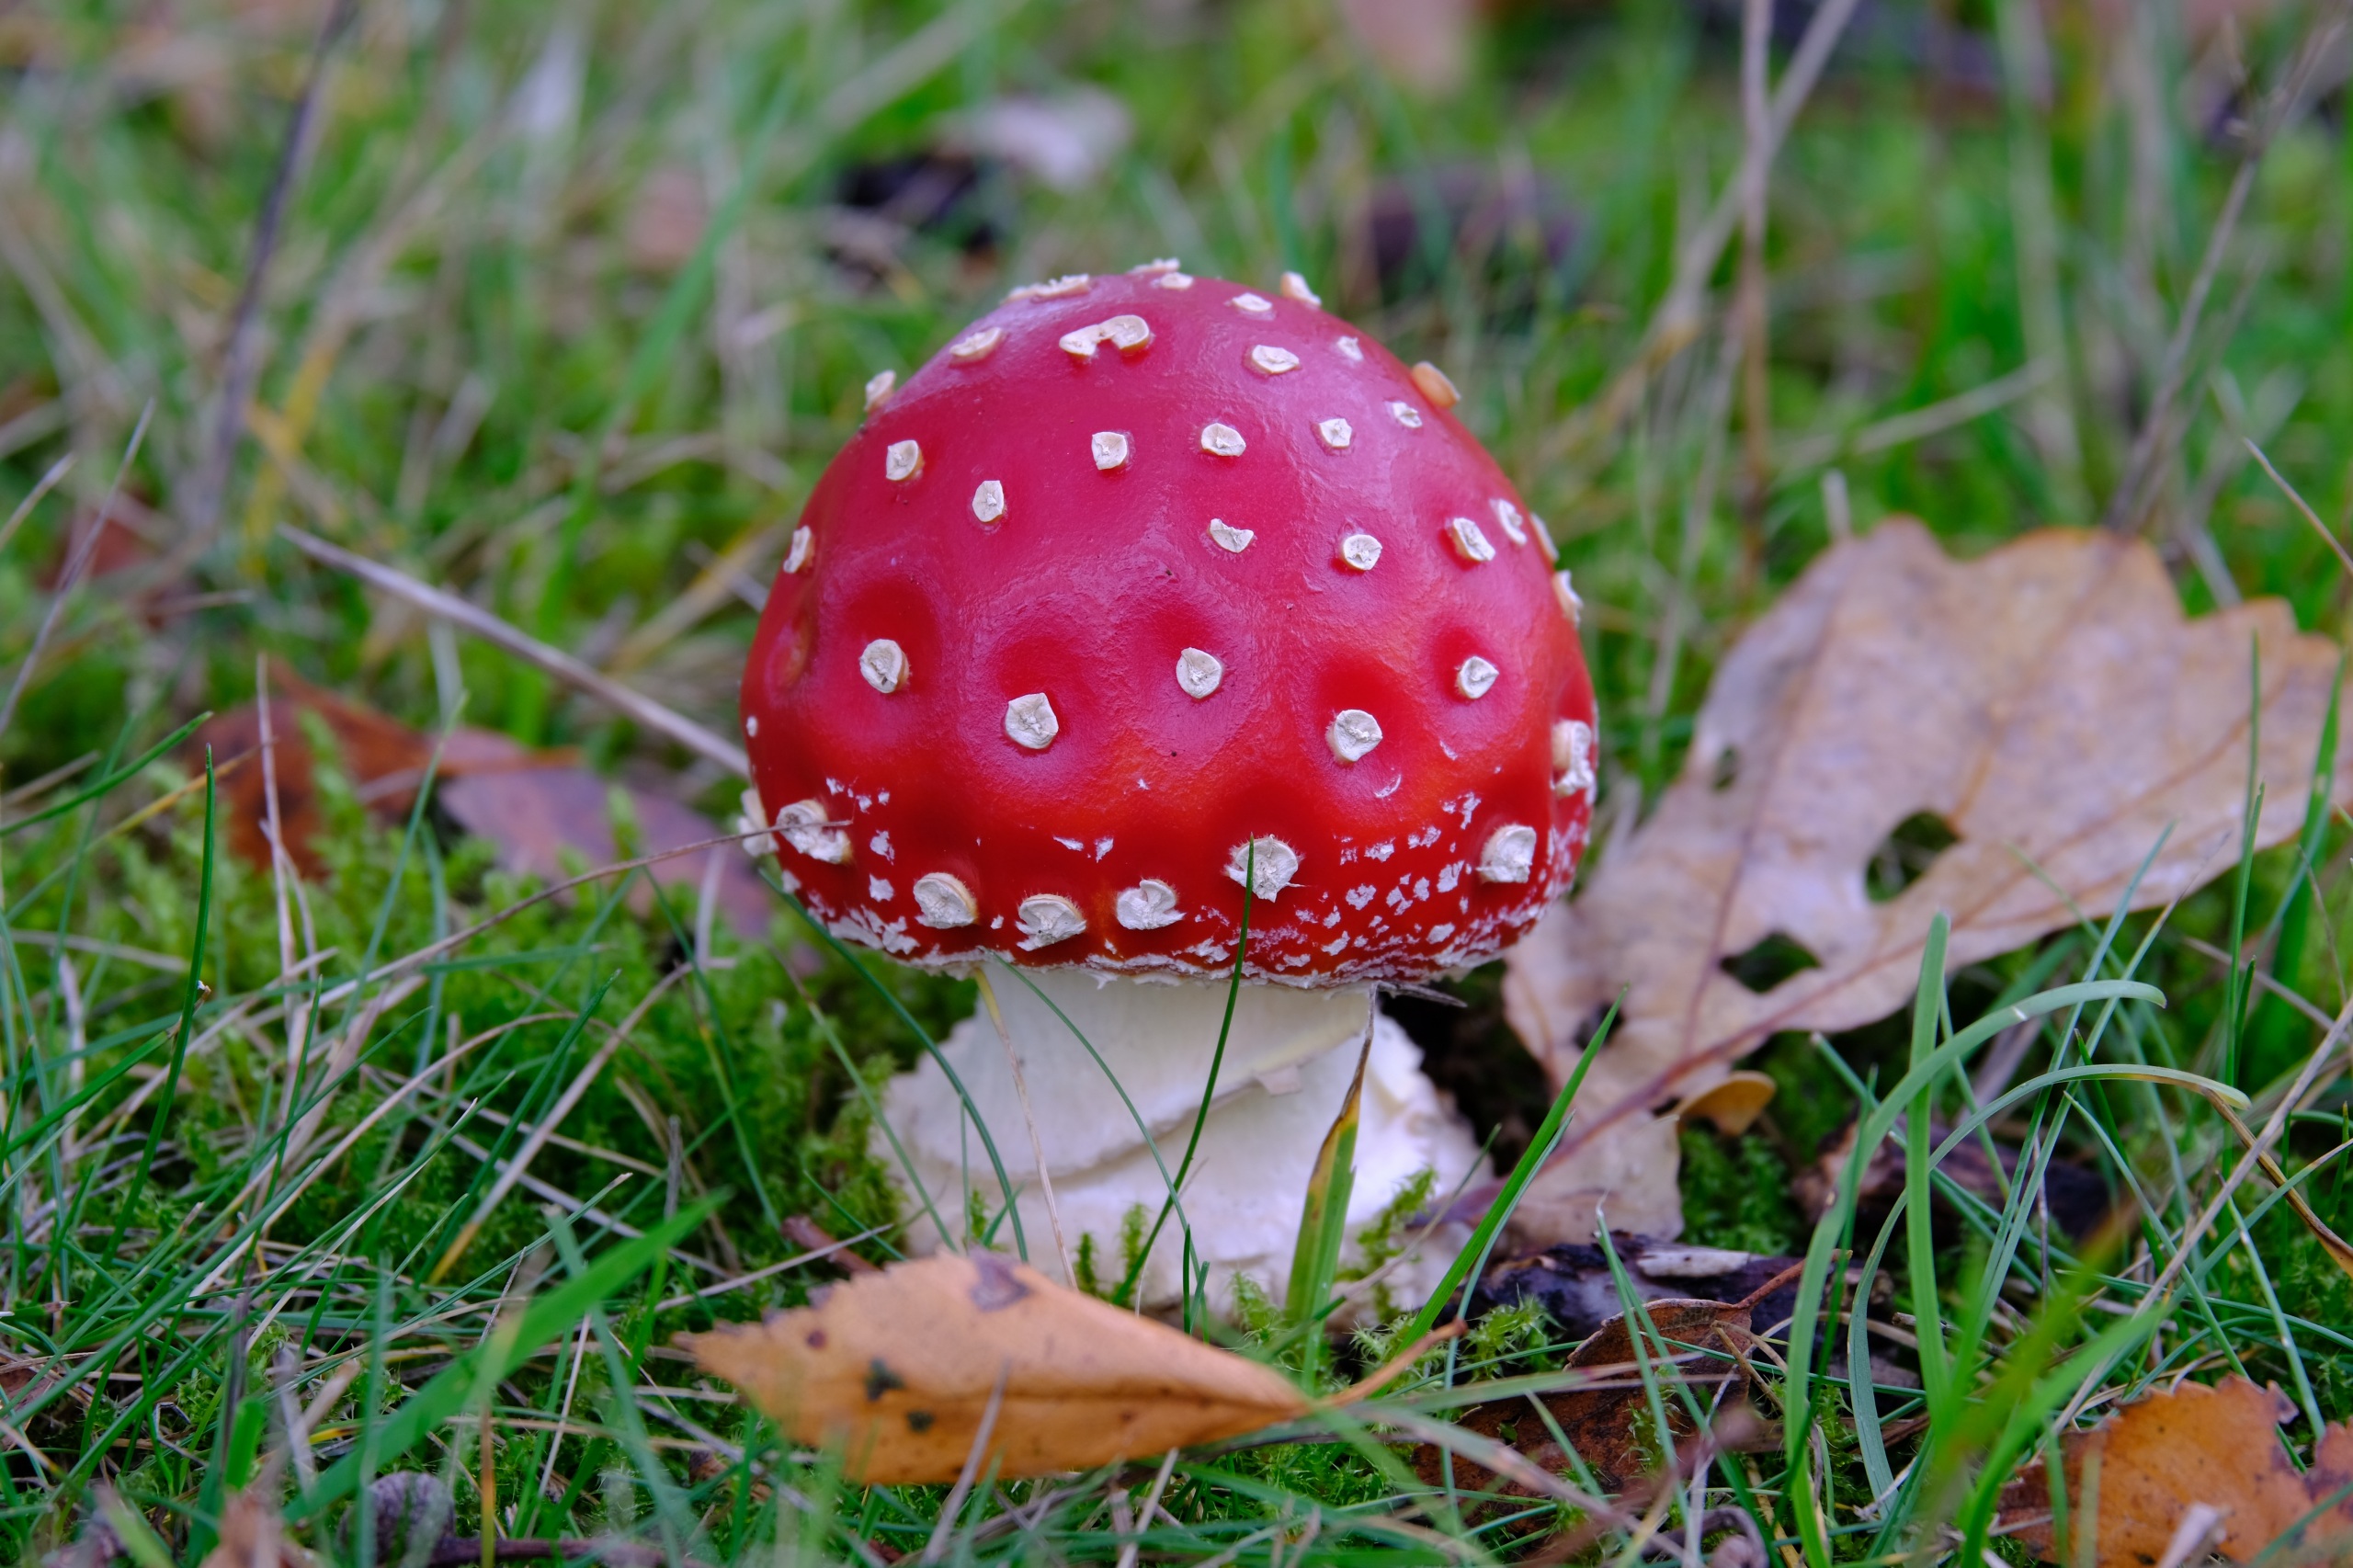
<point x="1737" y="1194"/>
<point x="1387" y="1236"/>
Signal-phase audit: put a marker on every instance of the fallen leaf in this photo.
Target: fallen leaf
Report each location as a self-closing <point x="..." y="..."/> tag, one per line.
<point x="122" y="547"/>
<point x="806" y="1234"/>
<point x="2163" y="1455"/>
<point x="534" y="805"/>
<point x="2047" y="703"/>
<point x="2332" y="1474"/>
<point x="535" y="815"/>
<point x="1571" y="1282"/>
<point x="1606" y="1418"/>
<point x="385" y="759"/>
<point x="901" y="1369"/>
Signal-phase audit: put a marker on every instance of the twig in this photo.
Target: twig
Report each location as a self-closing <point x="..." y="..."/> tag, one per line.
<point x="77" y="563"/>
<point x="329" y="1391"/>
<point x="803" y="1231"/>
<point x="203" y="511"/>
<point x="490" y="629"/>
<point x="564" y="1414"/>
<point x="32" y="788"/>
<point x="1698" y="507"/>
<point x="146" y="958"/>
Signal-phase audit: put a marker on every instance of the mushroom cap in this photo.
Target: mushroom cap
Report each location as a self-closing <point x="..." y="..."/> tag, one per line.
<point x="1084" y="622"/>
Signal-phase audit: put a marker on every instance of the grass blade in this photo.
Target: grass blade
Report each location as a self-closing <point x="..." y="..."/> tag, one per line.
<point x="1472" y="1260"/>
<point x="1324" y="1218"/>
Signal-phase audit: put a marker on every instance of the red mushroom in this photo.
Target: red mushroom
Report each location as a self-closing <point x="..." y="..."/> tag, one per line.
<point x="1143" y="581"/>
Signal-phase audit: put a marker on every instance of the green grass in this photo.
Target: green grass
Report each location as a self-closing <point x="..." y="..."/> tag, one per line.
<point x="465" y="368"/>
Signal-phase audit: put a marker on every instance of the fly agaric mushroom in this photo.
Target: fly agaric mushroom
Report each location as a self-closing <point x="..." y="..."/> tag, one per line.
<point x="1144" y="585"/>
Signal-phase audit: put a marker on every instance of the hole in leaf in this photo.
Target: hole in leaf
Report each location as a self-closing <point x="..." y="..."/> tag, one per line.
<point x="1904" y="856"/>
<point x="1770" y="963"/>
<point x="1727" y="768"/>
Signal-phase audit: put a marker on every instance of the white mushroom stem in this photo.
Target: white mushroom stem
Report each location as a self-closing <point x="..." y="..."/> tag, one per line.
<point x="1289" y="1059"/>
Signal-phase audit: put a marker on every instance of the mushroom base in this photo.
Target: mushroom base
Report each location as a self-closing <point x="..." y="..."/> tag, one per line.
<point x="1289" y="1059"/>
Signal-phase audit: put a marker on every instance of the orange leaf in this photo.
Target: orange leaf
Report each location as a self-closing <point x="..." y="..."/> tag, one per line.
<point x="2163" y="1455"/>
<point x="1608" y="1420"/>
<point x="900" y="1368"/>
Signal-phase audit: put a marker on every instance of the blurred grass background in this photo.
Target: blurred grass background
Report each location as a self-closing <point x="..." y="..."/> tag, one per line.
<point x="565" y="307"/>
<point x="567" y="300"/>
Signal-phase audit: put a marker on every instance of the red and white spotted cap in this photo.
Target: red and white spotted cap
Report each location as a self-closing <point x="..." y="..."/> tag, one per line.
<point x="1146" y="579"/>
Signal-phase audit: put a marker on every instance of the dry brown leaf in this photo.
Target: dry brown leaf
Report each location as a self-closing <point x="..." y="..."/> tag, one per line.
<point x="1574" y="1283"/>
<point x="900" y="1368"/>
<point x="534" y="804"/>
<point x="2164" y="1454"/>
<point x="1608" y="1422"/>
<point x="535" y="814"/>
<point x="384" y="758"/>
<point x="2048" y="703"/>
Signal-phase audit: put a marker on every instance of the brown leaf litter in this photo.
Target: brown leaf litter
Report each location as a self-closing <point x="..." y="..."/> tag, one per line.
<point x="1606" y="1415"/>
<point x="915" y="1368"/>
<point x="2048" y="702"/>
<point x="1571" y="1281"/>
<point x="2186" y="1470"/>
<point x="540" y="807"/>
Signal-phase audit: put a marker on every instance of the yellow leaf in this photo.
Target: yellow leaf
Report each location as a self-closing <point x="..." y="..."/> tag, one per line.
<point x="2048" y="703"/>
<point x="899" y="1368"/>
